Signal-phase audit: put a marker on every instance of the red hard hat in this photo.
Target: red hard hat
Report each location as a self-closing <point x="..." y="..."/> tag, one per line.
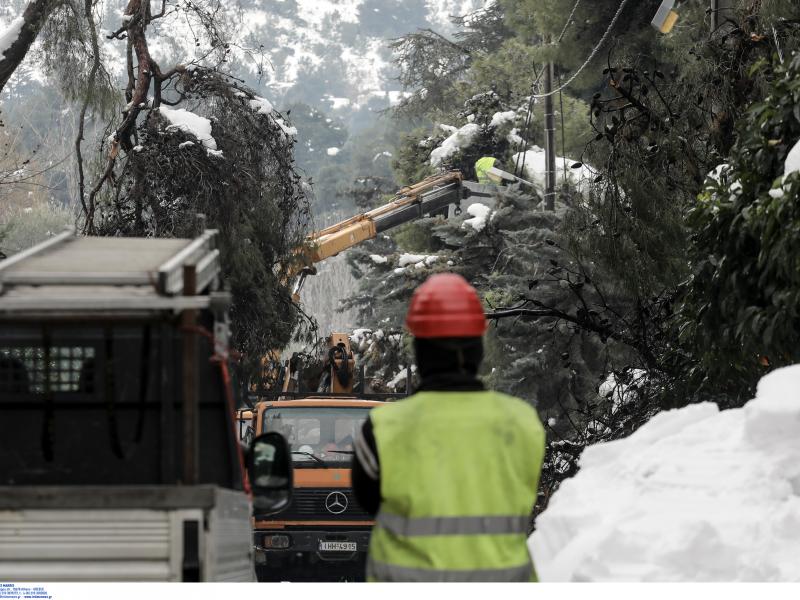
<point x="446" y="306"/>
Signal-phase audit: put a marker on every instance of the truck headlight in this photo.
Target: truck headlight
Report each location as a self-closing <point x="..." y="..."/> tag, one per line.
<point x="275" y="541"/>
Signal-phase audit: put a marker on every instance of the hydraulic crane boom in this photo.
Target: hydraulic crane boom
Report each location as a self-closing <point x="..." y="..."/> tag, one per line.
<point x="412" y="202"/>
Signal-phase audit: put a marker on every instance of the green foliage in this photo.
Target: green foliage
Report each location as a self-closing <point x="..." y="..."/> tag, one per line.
<point x="741" y="304"/>
<point x="68" y="57"/>
<point x="541" y="22"/>
<point x="252" y="193"/>
<point x="435" y="67"/>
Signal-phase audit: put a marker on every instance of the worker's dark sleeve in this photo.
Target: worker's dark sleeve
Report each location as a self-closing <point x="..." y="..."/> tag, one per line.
<point x="366" y="470"/>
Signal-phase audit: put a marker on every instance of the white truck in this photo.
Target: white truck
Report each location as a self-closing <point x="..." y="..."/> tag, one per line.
<point x="119" y="457"/>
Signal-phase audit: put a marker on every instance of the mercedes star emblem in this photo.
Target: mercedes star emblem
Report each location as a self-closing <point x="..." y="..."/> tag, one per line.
<point x="336" y="503"/>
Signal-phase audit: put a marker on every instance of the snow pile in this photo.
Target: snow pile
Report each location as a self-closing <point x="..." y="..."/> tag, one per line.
<point x="188" y="122"/>
<point x="480" y="214"/>
<point x="694" y="495"/>
<point x="536" y="168"/>
<point x="458" y="140"/>
<point x="10" y="35"/>
<point x="333" y="151"/>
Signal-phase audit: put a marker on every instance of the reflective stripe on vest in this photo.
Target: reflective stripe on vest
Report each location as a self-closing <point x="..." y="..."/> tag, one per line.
<point x="385" y="572"/>
<point x="419" y="526"/>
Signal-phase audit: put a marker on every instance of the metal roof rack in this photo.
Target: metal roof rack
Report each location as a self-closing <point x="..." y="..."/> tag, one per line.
<point x="109" y="274"/>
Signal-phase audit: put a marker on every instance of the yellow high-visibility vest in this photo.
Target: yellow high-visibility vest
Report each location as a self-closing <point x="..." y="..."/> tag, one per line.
<point x="482" y="165"/>
<point x="459" y="473"/>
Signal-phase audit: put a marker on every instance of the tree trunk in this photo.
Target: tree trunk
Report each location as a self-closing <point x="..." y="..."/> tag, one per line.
<point x="34" y="18"/>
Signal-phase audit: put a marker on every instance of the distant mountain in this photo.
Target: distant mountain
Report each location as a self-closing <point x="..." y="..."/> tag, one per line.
<point x="333" y="54"/>
<point x="330" y="54"/>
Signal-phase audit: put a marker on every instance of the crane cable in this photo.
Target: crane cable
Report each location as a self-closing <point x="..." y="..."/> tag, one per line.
<point x="594" y="52"/>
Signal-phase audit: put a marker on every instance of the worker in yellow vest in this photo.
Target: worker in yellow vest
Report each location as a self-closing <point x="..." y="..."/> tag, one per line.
<point x="451" y="472"/>
<point x="482" y="166"/>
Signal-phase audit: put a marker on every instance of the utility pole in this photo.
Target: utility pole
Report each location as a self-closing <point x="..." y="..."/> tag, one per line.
<point x="714" y="16"/>
<point x="550" y="141"/>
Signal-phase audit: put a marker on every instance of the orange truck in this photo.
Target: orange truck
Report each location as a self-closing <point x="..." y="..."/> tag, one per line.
<point x="323" y="535"/>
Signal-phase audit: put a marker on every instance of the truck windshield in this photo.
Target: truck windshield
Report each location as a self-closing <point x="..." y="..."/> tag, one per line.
<point x="318" y="436"/>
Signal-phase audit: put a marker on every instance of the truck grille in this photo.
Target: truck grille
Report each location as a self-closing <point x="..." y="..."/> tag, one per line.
<point x="310" y="504"/>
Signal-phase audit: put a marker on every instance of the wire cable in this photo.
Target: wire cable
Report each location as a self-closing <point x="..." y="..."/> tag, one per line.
<point x="528" y="117"/>
<point x="568" y="23"/>
<point x="594" y="52"/>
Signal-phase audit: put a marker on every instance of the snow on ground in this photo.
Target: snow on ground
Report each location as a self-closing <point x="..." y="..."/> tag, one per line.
<point x="536" y="168"/>
<point x="480" y="214"/>
<point x="694" y="495"/>
<point x="378" y="259"/>
<point x="193" y="124"/>
<point x="9" y="35"/>
<point x="461" y="138"/>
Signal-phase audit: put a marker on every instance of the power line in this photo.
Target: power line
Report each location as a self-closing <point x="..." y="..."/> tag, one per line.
<point x="528" y="117"/>
<point x="534" y="86"/>
<point x="568" y="23"/>
<point x="594" y="52"/>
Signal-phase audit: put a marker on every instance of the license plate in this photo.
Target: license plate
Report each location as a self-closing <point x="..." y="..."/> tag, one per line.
<point x="337" y="546"/>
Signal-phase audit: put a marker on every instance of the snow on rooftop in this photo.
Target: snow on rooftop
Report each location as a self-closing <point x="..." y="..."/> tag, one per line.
<point x="10" y="34"/>
<point x="696" y="494"/>
<point x="460" y="139"/>
<point x="480" y="214"/>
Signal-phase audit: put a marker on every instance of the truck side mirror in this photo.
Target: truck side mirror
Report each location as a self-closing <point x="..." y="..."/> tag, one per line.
<point x="269" y="466"/>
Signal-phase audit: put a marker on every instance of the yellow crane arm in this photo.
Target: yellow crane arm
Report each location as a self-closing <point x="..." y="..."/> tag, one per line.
<point x="411" y="202"/>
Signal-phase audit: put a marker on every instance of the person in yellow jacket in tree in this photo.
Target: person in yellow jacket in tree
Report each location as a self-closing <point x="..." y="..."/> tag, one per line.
<point x="452" y="472"/>
<point x="482" y="166"/>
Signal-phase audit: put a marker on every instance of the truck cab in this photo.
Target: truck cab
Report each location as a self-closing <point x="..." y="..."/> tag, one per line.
<point x="323" y="535"/>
